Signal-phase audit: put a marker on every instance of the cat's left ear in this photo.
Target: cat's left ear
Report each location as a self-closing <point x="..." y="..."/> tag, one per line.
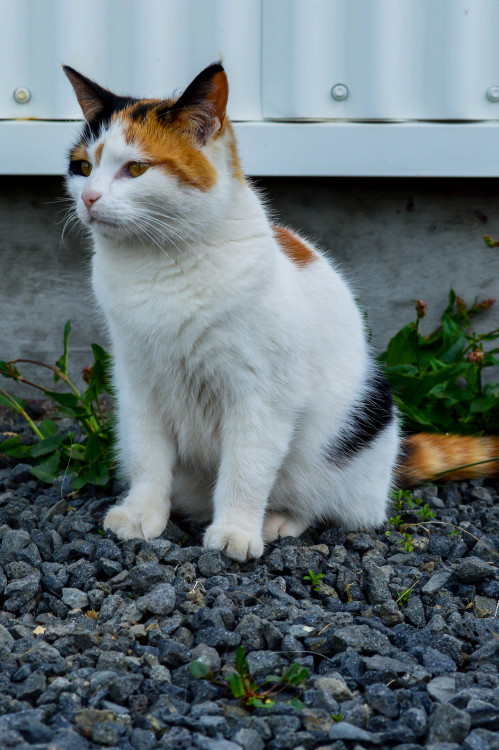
<point x="202" y="106"/>
<point x="92" y="98"/>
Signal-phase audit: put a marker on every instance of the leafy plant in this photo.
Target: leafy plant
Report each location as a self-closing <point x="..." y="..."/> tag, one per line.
<point x="249" y="693"/>
<point x="397" y="521"/>
<point x="86" y="457"/>
<point x="437" y="379"/>
<point x="426" y="513"/>
<point x="407" y="544"/>
<point x="489" y="241"/>
<point x="337" y="717"/>
<point x="314" y="578"/>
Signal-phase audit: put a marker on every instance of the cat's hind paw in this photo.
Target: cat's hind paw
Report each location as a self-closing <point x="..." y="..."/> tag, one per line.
<point x="279" y="524"/>
<point x="236" y="543"/>
<point x="128" y="524"/>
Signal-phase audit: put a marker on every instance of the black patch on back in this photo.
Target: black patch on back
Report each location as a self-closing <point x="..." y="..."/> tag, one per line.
<point x="367" y="419"/>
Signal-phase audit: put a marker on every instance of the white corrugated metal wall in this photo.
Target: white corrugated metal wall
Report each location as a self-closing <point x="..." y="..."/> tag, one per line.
<point x="366" y="87"/>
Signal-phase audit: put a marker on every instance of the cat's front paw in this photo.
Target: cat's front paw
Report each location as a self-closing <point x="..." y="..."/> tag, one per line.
<point x="236" y="543"/>
<point x="128" y="523"/>
<point x="278" y="525"/>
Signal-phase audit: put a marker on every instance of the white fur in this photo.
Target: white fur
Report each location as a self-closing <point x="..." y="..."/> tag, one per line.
<point x="234" y="367"/>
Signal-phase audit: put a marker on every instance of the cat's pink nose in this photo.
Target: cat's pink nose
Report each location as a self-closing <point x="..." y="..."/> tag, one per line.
<point x="89" y="197"/>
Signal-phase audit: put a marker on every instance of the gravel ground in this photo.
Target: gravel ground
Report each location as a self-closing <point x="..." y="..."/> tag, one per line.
<point x="96" y="635"/>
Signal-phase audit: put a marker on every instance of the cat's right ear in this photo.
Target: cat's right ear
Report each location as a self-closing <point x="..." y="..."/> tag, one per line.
<point x="92" y="98"/>
<point x="202" y="106"/>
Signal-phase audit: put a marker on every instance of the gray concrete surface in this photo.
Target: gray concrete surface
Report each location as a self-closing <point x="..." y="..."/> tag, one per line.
<point x="396" y="239"/>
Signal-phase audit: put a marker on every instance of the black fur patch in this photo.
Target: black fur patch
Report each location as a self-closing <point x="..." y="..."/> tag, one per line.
<point x="366" y="421"/>
<point x="91" y="130"/>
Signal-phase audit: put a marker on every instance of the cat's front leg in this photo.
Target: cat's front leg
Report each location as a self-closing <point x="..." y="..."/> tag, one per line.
<point x="254" y="448"/>
<point x="147" y="453"/>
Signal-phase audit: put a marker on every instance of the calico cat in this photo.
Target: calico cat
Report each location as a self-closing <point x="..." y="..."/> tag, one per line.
<point x="247" y="394"/>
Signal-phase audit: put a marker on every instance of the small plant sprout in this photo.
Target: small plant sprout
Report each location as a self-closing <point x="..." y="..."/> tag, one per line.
<point x="426" y="513"/>
<point x="314" y="579"/>
<point x="407" y="544"/>
<point x="397" y="521"/>
<point x="404" y="596"/>
<point x="337" y="717"/>
<point x="249" y="693"/>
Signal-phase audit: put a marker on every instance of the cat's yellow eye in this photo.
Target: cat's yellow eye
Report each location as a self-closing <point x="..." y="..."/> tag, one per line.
<point x="86" y="168"/>
<point x="136" y="168"/>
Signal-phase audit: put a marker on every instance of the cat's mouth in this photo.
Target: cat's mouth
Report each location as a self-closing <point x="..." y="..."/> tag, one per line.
<point x="95" y="220"/>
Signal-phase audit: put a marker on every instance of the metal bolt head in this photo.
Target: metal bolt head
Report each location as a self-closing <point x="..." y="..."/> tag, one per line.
<point x="339" y="92"/>
<point x="22" y="95"/>
<point x="493" y="94"/>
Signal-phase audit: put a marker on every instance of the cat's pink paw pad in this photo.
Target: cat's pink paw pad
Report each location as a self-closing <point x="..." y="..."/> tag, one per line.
<point x="279" y="524"/>
<point x="128" y="524"/>
<point x="236" y="543"/>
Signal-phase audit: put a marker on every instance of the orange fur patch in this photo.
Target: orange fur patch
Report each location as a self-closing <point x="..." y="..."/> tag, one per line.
<point x="166" y="145"/>
<point x="294" y="247"/>
<point x="79" y="153"/>
<point x="441" y="456"/>
<point x="237" y="171"/>
<point x="98" y="154"/>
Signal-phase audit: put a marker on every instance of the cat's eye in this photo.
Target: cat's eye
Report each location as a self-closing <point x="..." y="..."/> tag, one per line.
<point x="136" y="168"/>
<point x="85" y="168"/>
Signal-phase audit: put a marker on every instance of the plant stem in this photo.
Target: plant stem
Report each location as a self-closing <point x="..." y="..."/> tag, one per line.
<point x="465" y="466"/>
<point x="19" y="409"/>
<point x="55" y="369"/>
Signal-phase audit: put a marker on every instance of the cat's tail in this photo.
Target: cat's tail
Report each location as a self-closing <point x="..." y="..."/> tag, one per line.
<point x="441" y="457"/>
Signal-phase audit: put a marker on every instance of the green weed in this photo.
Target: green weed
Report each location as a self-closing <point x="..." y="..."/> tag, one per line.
<point x="407" y="544"/>
<point x="249" y="693"/>
<point x="88" y="459"/>
<point x="437" y="379"/>
<point x="314" y="579"/>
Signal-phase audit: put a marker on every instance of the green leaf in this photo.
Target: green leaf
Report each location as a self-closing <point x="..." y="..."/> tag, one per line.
<point x="8" y="370"/>
<point x="68" y="400"/>
<point x="297" y="703"/>
<point x="198" y="669"/>
<point x="48" y="427"/>
<point x="48" y="470"/>
<point x="271" y="678"/>
<point x="403" y="347"/>
<point x="62" y="362"/>
<point x="486" y="403"/>
<point x="241" y="665"/>
<point x="48" y="445"/>
<point x="14" y="447"/>
<point x="236" y="685"/>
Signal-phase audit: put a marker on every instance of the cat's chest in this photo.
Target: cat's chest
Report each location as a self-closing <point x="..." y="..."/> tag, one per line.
<point x="171" y="343"/>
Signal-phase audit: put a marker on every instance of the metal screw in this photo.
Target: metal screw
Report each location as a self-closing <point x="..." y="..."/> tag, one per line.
<point x="22" y="95"/>
<point x="339" y="92"/>
<point x="493" y="94"/>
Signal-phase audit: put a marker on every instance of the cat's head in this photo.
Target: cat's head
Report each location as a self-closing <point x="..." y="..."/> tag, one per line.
<point x="149" y="169"/>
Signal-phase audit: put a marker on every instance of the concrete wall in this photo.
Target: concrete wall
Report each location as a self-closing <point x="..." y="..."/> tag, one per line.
<point x="396" y="239"/>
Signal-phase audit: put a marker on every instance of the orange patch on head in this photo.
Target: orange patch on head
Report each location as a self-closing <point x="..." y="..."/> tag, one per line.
<point x="166" y="145"/>
<point x="79" y="153"/>
<point x="98" y="154"/>
<point x="296" y="250"/>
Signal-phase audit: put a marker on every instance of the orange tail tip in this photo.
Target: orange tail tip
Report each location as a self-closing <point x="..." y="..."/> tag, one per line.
<point x="441" y="457"/>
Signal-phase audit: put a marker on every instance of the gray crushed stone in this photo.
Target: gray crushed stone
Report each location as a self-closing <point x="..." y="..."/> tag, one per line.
<point x="96" y="635"/>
